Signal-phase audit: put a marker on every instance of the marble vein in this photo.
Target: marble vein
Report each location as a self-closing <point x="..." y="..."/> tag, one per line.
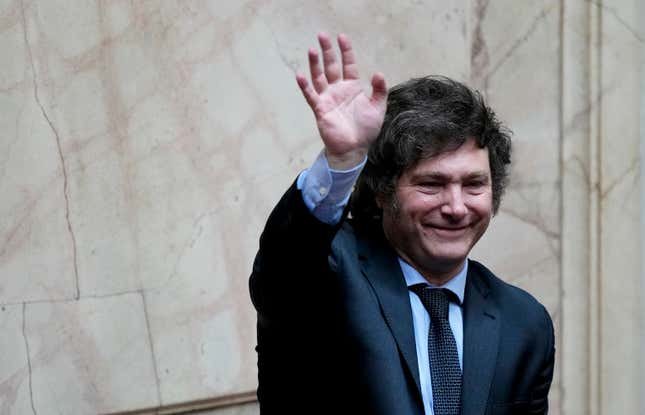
<point x="633" y="166"/>
<point x="152" y="346"/>
<point x="521" y="40"/>
<point x="198" y="229"/>
<point x="619" y="19"/>
<point x="58" y="146"/>
<point x="583" y="169"/>
<point x="533" y="269"/>
<point x="581" y="118"/>
<point x="479" y="56"/>
<point x="73" y="300"/>
<point x="24" y="336"/>
<point x="292" y="64"/>
<point x="538" y="223"/>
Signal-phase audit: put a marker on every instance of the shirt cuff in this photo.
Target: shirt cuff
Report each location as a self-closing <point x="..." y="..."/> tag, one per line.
<point x="326" y="191"/>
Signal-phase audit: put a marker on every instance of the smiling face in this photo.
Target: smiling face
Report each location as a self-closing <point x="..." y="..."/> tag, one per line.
<point x="441" y="206"/>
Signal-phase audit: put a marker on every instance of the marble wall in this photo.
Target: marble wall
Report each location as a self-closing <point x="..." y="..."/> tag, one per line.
<point x="143" y="144"/>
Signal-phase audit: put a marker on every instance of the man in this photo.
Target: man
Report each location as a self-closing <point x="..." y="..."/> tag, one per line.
<point x="382" y="312"/>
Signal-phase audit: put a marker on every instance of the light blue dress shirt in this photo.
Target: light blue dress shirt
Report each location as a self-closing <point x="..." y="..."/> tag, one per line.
<point x="326" y="192"/>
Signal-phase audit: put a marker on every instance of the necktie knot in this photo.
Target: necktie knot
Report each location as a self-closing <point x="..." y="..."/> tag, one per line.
<point x="435" y="300"/>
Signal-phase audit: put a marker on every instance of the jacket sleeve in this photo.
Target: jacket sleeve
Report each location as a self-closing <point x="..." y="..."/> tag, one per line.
<point x="291" y="259"/>
<point x="539" y="396"/>
<point x="292" y="290"/>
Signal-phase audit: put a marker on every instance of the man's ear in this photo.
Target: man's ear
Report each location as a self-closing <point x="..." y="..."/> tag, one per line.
<point x="379" y="198"/>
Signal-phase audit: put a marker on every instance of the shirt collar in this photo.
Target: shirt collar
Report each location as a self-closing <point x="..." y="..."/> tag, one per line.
<point x="456" y="284"/>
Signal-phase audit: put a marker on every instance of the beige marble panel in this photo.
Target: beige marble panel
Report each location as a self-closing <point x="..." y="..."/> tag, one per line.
<point x="90" y="356"/>
<point x="620" y="263"/>
<point x="201" y="320"/>
<point x="602" y="158"/>
<point x="579" y="212"/>
<point x="121" y="127"/>
<point x="15" y="395"/>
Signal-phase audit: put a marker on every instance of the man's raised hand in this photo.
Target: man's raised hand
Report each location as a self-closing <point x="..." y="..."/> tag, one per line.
<point x="348" y="120"/>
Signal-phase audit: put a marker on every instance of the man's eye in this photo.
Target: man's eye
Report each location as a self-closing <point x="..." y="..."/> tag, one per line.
<point x="430" y="188"/>
<point x="475" y="187"/>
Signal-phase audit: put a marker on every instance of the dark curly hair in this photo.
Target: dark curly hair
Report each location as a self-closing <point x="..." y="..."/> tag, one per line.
<point x="425" y="117"/>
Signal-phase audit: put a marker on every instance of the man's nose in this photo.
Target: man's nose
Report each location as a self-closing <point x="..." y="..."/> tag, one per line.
<point x="453" y="205"/>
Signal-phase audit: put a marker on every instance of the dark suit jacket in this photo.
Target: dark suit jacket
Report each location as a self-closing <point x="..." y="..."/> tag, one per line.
<point x="335" y="331"/>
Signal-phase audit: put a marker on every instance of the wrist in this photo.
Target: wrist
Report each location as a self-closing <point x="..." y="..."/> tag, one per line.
<point x="345" y="161"/>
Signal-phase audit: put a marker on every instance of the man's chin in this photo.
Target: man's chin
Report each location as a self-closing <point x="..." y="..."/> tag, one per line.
<point x="445" y="262"/>
<point x="447" y="251"/>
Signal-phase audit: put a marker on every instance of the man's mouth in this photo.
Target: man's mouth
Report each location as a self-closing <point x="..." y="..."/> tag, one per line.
<point x="450" y="231"/>
<point x="445" y="227"/>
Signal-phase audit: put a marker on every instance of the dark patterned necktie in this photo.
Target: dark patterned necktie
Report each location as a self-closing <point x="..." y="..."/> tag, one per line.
<point x="442" y="351"/>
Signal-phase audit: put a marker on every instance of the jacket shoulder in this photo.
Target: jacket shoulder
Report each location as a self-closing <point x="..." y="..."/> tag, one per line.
<point x="516" y="304"/>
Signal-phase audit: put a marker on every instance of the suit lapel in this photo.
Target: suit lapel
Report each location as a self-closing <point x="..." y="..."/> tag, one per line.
<point x="481" y="339"/>
<point x="380" y="266"/>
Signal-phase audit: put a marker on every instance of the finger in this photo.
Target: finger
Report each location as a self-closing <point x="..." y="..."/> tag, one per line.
<point x="350" y="70"/>
<point x="311" y="96"/>
<point x="332" y="68"/>
<point x="317" y="75"/>
<point x="379" y="89"/>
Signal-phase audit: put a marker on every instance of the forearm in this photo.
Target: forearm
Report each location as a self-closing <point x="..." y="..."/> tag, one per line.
<point x="294" y="247"/>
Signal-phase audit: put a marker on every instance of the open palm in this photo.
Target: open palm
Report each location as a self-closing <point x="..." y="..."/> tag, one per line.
<point x="348" y="120"/>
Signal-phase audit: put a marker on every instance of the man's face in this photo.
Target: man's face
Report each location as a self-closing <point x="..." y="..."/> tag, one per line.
<point x="441" y="207"/>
